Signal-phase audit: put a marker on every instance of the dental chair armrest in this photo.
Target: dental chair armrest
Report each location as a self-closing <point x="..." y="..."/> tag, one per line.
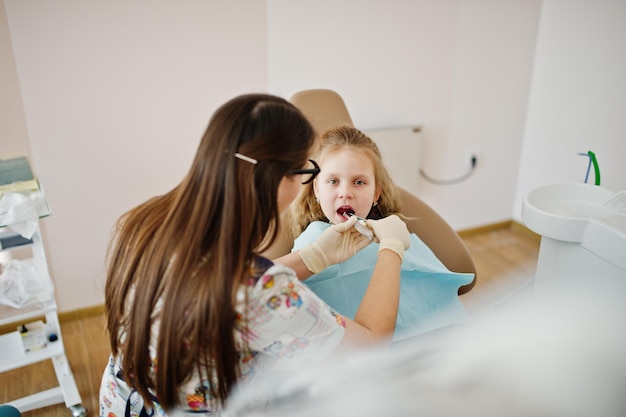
<point x="438" y="235"/>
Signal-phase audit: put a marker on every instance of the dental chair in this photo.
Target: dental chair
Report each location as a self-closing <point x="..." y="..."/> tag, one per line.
<point x="325" y="109"/>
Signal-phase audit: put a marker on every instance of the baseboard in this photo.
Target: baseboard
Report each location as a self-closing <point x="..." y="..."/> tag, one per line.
<point x="81" y="313"/>
<point x="64" y="317"/>
<point x="507" y="224"/>
<point x="485" y="228"/>
<point x="525" y="230"/>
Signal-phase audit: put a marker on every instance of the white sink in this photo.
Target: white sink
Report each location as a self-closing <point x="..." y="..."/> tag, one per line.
<point x="564" y="211"/>
<point x="583" y="235"/>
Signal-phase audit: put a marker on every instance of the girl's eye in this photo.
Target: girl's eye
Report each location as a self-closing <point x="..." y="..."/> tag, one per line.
<point x="332" y="181"/>
<point x="359" y="182"/>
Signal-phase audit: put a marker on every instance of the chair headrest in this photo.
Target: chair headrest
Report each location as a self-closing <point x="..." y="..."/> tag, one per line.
<point x="323" y="108"/>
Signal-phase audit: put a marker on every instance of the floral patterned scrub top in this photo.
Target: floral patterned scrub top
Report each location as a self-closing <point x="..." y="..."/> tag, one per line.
<point x="287" y="324"/>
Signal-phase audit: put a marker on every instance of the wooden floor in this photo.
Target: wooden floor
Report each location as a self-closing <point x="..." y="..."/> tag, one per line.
<point x="505" y="259"/>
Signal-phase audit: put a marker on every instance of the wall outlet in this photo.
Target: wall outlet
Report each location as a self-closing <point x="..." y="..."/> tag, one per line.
<point x="472" y="158"/>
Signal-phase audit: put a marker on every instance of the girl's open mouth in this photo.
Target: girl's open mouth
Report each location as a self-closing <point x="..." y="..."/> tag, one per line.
<point x="360" y="225"/>
<point x="345" y="211"/>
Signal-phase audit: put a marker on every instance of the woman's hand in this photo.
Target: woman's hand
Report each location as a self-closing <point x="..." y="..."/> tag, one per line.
<point x="392" y="234"/>
<point x="337" y="244"/>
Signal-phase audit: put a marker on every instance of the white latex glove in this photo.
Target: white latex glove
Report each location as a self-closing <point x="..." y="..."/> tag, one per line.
<point x="392" y="234"/>
<point x="337" y="244"/>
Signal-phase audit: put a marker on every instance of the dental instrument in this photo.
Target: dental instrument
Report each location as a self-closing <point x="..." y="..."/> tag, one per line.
<point x="360" y="225"/>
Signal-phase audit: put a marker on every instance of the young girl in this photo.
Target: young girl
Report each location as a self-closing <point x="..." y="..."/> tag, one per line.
<point x="354" y="181"/>
<point x="193" y="310"/>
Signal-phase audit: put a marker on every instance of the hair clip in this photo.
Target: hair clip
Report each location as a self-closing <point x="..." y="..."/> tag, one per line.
<point x="246" y="158"/>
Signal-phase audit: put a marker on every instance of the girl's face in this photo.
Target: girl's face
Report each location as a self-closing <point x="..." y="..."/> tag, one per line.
<point x="346" y="184"/>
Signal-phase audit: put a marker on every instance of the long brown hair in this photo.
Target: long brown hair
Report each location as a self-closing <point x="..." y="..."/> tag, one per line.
<point x="190" y="249"/>
<point x="306" y="209"/>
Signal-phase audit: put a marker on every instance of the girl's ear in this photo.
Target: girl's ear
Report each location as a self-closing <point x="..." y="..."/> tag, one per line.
<point x="377" y="194"/>
<point x="315" y="189"/>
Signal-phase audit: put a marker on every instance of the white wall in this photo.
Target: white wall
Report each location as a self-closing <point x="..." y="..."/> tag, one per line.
<point x="116" y="96"/>
<point x="13" y="133"/>
<point x="578" y="96"/>
<point x="460" y="68"/>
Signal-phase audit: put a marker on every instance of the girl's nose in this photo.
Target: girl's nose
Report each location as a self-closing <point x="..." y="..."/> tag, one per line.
<point x="345" y="191"/>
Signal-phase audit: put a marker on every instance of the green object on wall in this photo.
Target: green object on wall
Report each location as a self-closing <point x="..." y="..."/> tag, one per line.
<point x="596" y="168"/>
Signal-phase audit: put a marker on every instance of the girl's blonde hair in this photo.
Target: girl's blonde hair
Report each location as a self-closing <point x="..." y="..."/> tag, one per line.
<point x="305" y="209"/>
